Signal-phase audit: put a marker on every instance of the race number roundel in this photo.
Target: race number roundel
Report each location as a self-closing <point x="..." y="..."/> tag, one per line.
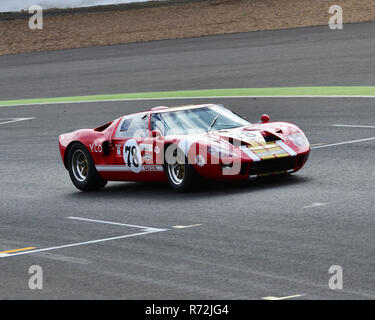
<point x="132" y="156"/>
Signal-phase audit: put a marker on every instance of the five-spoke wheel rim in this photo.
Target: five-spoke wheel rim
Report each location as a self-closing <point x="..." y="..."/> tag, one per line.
<point x="80" y="165"/>
<point x="176" y="172"/>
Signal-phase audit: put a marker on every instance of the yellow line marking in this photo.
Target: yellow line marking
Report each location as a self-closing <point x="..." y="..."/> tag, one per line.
<point x="183" y="227"/>
<point x="283" y="298"/>
<point x="17" y="250"/>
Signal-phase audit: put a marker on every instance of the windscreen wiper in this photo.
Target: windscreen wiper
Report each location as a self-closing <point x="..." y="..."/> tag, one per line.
<point x="213" y="122"/>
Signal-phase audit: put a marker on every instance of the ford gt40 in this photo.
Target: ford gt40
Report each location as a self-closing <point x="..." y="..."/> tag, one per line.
<point x="182" y="145"/>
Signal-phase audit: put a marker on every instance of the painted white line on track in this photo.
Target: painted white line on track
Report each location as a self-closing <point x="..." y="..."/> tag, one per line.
<point x="352" y="126"/>
<point x="341" y="143"/>
<point x="284" y="298"/>
<point x="146" y="230"/>
<point x="117" y="224"/>
<point x="78" y="244"/>
<point x="183" y="98"/>
<point x="316" y="204"/>
<point x="184" y="227"/>
<point x="11" y="120"/>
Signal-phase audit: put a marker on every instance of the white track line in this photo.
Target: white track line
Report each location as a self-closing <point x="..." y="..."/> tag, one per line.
<point x="147" y="230"/>
<point x="14" y="120"/>
<point x="351" y="126"/>
<point x="76" y="244"/>
<point x="314" y="205"/>
<point x="341" y="143"/>
<point x="118" y="224"/>
<point x="284" y="298"/>
<point x="190" y="226"/>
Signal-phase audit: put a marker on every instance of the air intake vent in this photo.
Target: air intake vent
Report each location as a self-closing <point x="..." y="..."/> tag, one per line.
<point x="269" y="137"/>
<point x="272" y="165"/>
<point x="103" y="127"/>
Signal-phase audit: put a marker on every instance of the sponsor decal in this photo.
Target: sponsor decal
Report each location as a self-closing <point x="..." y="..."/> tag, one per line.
<point x="97" y="148"/>
<point x="244" y="135"/>
<point x="145" y="147"/>
<point x="152" y="168"/>
<point x="118" y="147"/>
<point x="147" y="157"/>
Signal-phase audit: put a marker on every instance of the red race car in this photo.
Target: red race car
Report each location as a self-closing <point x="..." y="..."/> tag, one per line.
<point x="181" y="144"/>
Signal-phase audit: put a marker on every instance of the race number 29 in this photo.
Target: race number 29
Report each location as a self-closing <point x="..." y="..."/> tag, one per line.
<point x="132" y="156"/>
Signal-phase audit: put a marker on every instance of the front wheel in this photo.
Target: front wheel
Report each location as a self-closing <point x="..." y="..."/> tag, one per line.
<point x="181" y="175"/>
<point x="82" y="170"/>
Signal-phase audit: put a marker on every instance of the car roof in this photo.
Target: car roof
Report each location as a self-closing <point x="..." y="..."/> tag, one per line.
<point x="160" y="109"/>
<point x="178" y="108"/>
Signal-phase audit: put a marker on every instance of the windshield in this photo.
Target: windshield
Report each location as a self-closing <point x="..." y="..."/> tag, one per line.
<point x="196" y="120"/>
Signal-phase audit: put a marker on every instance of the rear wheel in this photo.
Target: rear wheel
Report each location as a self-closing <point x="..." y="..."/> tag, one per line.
<point x="82" y="170"/>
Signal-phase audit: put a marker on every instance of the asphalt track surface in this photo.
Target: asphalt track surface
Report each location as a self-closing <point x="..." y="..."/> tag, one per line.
<point x="274" y="237"/>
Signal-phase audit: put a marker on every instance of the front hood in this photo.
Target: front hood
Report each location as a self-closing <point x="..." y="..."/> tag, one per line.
<point x="265" y="139"/>
<point x="250" y="135"/>
<point x="244" y="136"/>
<point x="258" y="141"/>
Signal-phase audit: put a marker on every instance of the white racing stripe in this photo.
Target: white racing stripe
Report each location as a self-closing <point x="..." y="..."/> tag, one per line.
<point x="251" y="154"/>
<point x="114" y="168"/>
<point x="286" y="148"/>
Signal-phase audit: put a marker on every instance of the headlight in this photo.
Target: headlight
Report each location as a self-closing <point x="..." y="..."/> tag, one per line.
<point x="221" y="152"/>
<point x="299" y="139"/>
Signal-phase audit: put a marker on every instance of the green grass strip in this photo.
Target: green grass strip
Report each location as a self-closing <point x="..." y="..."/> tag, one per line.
<point x="237" y="92"/>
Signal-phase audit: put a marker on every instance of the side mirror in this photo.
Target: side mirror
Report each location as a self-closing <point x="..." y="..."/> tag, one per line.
<point x="265" y="118"/>
<point x="156" y="133"/>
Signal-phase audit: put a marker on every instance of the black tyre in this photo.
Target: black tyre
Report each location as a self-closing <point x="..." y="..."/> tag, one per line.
<point x="82" y="170"/>
<point x="181" y="176"/>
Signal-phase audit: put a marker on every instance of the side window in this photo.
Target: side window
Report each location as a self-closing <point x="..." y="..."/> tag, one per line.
<point x="133" y="127"/>
<point x="157" y="123"/>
